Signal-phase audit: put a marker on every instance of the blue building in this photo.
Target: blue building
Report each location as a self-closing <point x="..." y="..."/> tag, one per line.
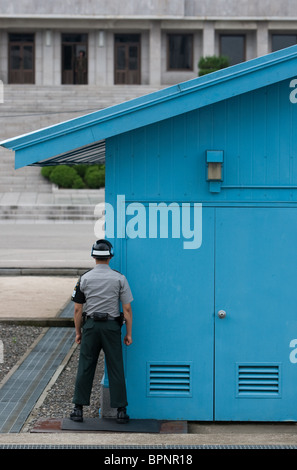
<point x="201" y="193"/>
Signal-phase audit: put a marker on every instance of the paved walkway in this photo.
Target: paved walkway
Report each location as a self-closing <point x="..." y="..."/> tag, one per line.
<point x="53" y="245"/>
<point x="46" y="248"/>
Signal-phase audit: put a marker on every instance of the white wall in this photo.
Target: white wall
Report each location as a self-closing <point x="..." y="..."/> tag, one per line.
<point x="93" y="7"/>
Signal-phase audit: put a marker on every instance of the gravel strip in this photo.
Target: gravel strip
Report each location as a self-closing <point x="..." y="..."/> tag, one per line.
<point x="16" y="339"/>
<point x="58" y="400"/>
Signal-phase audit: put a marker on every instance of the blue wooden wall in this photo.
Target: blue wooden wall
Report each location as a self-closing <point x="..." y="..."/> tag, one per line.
<point x="166" y="160"/>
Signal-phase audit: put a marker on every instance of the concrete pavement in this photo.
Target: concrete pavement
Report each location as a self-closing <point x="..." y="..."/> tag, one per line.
<point x="35" y="296"/>
<point x="55" y="244"/>
<point x="220" y="435"/>
<point x="46" y="246"/>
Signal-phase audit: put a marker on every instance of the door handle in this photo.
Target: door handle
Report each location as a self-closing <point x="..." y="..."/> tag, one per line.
<point x="221" y="314"/>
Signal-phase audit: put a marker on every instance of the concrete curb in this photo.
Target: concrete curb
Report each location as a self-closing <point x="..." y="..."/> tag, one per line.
<point x="43" y="322"/>
<point x="39" y="271"/>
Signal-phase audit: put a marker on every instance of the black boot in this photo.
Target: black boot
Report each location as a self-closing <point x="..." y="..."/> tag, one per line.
<point x="122" y="416"/>
<point x="77" y="413"/>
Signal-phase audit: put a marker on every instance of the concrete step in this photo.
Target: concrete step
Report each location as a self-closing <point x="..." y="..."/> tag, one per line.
<point x="55" y="212"/>
<point x="24" y="179"/>
<point x="34" y="97"/>
<point x="27" y="108"/>
<point x="47" y="208"/>
<point x="8" y="188"/>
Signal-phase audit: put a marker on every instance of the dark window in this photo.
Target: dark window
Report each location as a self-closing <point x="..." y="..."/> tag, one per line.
<point x="280" y="41"/>
<point x="75" y="38"/>
<point x="21" y="58"/>
<point x="127" y="38"/>
<point x="233" y="46"/>
<point x="127" y="59"/>
<point x="180" y="52"/>
<point x="15" y="37"/>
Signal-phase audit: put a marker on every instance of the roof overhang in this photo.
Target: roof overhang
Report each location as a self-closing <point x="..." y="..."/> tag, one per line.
<point x="88" y="154"/>
<point x="83" y="138"/>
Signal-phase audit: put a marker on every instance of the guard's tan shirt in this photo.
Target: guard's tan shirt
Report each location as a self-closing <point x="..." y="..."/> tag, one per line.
<point x="101" y="290"/>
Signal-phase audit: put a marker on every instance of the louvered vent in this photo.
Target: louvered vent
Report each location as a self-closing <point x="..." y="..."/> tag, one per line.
<point x="169" y="379"/>
<point x="259" y="380"/>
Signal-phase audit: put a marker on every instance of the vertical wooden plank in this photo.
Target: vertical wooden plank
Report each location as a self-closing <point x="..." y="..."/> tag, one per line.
<point x="165" y="160"/>
<point x="259" y="130"/>
<point x="206" y="139"/>
<point x="272" y="136"/>
<point x="194" y="178"/>
<point x="246" y="139"/>
<point x="231" y="153"/>
<point x="284" y="133"/>
<point x="180" y="162"/>
<point x="152" y="180"/>
<point x="220" y="135"/>
<point x="138" y="164"/>
<point x="293" y="141"/>
<point x="124" y="164"/>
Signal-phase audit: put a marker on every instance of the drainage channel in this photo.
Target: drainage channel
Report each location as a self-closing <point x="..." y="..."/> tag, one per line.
<point x="160" y="448"/>
<point x="19" y="394"/>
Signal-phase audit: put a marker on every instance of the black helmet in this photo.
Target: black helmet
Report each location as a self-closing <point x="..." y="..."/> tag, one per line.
<point x="102" y="249"/>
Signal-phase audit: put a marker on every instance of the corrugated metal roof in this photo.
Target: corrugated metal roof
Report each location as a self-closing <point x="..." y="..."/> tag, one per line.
<point x="90" y="154"/>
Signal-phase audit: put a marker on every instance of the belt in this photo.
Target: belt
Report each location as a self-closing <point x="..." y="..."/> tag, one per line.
<point x="109" y="318"/>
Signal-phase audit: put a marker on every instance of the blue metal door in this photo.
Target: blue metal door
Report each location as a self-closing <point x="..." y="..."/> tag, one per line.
<point x="186" y="361"/>
<point x="255" y="279"/>
<point x="169" y="366"/>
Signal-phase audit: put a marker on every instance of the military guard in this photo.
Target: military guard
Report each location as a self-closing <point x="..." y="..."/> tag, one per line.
<point x="97" y="296"/>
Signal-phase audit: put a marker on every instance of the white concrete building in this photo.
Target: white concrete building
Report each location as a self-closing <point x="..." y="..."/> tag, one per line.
<point x="146" y="42"/>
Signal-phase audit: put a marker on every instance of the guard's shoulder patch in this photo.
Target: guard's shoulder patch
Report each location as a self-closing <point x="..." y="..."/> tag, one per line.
<point x="87" y="271"/>
<point x="117" y="271"/>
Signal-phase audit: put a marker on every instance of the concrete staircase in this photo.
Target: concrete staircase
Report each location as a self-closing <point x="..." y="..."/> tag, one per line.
<point x="27" y="108"/>
<point x="46" y="213"/>
<point x="30" y="107"/>
<point x="28" y="179"/>
<point x="61" y="206"/>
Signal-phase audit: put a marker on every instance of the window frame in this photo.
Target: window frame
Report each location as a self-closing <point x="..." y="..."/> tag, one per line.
<point x="21" y="39"/>
<point x="281" y="34"/>
<point x="242" y="35"/>
<point x="179" y="69"/>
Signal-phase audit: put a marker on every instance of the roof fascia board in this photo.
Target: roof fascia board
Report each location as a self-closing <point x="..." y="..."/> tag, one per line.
<point x="154" y="107"/>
